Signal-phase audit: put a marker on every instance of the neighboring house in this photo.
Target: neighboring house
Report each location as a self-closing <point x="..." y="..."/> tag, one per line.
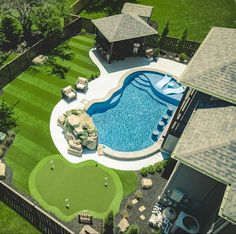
<point x="144" y="12"/>
<point x="202" y="136"/>
<point x="125" y="34"/>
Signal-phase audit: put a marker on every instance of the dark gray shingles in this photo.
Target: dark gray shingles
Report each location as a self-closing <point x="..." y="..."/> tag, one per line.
<point x="122" y="27"/>
<point x="213" y="68"/>
<point x="140" y="10"/>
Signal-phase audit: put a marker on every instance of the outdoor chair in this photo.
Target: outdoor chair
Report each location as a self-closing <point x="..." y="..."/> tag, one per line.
<point x="68" y="93"/>
<point x="81" y="84"/>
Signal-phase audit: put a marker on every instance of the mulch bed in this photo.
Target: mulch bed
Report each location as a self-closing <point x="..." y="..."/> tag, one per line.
<point x="149" y="199"/>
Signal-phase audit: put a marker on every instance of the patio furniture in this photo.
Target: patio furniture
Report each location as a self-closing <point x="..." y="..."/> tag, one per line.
<point x="68" y="93"/>
<point x="81" y="84"/>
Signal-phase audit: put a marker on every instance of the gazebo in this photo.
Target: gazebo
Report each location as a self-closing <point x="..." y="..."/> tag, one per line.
<point x="123" y="35"/>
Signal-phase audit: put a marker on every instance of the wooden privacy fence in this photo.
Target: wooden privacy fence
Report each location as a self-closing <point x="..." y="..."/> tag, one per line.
<point x="177" y="46"/>
<point x="10" y="71"/>
<point x="27" y="209"/>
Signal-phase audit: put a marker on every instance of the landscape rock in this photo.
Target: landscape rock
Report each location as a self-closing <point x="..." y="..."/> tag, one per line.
<point x="79" y="131"/>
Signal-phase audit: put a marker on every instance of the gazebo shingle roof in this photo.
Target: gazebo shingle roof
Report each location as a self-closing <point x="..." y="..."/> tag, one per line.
<point x="212" y="69"/>
<point x="208" y="144"/>
<point x="123" y="27"/>
<point x="140" y="10"/>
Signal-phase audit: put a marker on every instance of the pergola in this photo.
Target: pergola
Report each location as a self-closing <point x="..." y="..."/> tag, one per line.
<point x="116" y="36"/>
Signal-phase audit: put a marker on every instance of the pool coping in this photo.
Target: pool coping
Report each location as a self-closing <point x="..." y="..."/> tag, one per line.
<point x="140" y="154"/>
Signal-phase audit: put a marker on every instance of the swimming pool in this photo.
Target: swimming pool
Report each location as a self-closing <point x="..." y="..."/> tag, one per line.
<point x="127" y="120"/>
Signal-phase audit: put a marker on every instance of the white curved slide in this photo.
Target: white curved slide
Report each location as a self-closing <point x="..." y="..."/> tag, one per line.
<point x="173" y="91"/>
<point x="161" y="83"/>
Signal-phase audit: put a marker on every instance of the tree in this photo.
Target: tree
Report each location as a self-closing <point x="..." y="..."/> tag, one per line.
<point x="109" y="223"/>
<point x="165" y="30"/>
<point x="47" y="19"/>
<point x="7" y="117"/>
<point x="10" y="31"/>
<point x="164" y="33"/>
<point x="24" y="10"/>
<point x="133" y="229"/>
<point x="182" y="41"/>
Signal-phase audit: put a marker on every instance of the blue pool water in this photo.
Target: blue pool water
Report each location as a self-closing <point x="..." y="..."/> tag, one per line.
<point x="127" y="120"/>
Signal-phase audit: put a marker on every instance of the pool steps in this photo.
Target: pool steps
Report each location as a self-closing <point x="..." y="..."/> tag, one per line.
<point x="146" y="88"/>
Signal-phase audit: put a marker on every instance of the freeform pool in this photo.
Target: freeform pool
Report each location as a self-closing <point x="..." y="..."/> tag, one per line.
<point x="127" y="120"/>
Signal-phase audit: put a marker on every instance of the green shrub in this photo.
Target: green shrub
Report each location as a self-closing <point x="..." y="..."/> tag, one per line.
<point x="83" y="30"/>
<point x="96" y="75"/>
<point x="183" y="57"/>
<point x="133" y="229"/>
<point x="158" y="167"/>
<point x="138" y="195"/>
<point x="144" y="171"/>
<point x="129" y="204"/>
<point x="151" y="169"/>
<point x="92" y="77"/>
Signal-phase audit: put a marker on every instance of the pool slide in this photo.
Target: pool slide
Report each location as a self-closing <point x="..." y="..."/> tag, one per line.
<point x="161" y="83"/>
<point x="173" y="91"/>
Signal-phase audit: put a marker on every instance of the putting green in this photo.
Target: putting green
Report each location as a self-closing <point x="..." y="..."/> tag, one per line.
<point x="54" y="183"/>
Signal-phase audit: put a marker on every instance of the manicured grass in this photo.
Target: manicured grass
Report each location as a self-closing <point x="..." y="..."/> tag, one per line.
<point x="11" y="222"/>
<point x="82" y="184"/>
<point x="197" y="15"/>
<point x="37" y="92"/>
<point x="129" y="181"/>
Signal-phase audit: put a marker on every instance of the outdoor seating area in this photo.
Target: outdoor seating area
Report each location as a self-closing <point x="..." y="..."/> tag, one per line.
<point x="81" y="85"/>
<point x="68" y="93"/>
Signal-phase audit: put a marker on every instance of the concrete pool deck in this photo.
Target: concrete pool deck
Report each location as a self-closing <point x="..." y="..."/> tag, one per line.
<point x="110" y="75"/>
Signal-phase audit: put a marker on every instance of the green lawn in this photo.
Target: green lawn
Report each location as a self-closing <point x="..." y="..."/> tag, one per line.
<point x="197" y="15"/>
<point x="82" y="184"/>
<point x="37" y="92"/>
<point x="11" y="222"/>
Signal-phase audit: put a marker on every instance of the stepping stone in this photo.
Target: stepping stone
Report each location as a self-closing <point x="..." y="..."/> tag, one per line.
<point x="142" y="217"/>
<point x="142" y="208"/>
<point x="135" y="201"/>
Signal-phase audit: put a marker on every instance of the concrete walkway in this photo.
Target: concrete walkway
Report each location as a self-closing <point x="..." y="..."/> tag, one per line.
<point x="110" y="75"/>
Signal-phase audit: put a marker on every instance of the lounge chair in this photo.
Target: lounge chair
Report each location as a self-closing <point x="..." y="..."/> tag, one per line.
<point x="81" y="84"/>
<point x="68" y="93"/>
<point x="161" y="83"/>
<point x="173" y="91"/>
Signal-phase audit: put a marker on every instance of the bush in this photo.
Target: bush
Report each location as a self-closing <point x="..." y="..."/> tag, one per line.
<point x="83" y="31"/>
<point x="183" y="57"/>
<point x="125" y="214"/>
<point x="158" y="167"/>
<point x="133" y="229"/>
<point x="138" y="195"/>
<point x="129" y="204"/>
<point x="92" y="77"/>
<point x="144" y="171"/>
<point x="151" y="169"/>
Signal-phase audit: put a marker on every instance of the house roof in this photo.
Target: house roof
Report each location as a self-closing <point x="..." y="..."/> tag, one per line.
<point x="208" y="144"/>
<point x="123" y="27"/>
<point x="140" y="10"/>
<point x="212" y="69"/>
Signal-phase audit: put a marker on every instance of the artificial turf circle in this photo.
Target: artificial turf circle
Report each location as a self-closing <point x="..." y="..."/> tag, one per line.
<point x="82" y="186"/>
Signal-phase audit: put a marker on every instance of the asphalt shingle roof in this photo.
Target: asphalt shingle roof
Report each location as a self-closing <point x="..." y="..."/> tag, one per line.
<point x="140" y="10"/>
<point x="208" y="144"/>
<point x="123" y="27"/>
<point x="212" y="69"/>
